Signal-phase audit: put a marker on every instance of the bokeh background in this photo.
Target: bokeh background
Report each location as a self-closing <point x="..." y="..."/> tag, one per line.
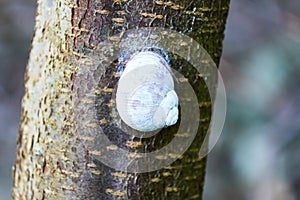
<point x="257" y="156"/>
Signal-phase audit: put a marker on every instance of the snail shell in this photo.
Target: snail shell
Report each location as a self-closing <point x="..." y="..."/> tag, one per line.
<point x="145" y="98"/>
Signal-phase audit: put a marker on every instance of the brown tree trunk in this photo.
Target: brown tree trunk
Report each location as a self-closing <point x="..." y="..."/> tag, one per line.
<point x="53" y="160"/>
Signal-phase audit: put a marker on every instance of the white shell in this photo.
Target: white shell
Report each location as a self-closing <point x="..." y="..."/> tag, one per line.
<point x="145" y="99"/>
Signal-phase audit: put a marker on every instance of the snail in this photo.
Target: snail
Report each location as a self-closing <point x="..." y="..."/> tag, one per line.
<point x="145" y="98"/>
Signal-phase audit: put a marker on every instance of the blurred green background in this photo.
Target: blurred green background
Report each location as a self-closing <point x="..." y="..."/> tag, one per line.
<point x="257" y="156"/>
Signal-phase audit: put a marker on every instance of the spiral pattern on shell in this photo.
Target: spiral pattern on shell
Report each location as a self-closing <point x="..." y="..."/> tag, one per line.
<point x="145" y="98"/>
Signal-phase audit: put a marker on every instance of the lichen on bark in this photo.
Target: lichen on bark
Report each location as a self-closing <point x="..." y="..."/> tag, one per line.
<point x="53" y="161"/>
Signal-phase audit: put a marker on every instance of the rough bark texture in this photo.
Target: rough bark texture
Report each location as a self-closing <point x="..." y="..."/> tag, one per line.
<point x="52" y="159"/>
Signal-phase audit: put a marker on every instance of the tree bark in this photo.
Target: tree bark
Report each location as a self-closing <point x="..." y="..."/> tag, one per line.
<point x="52" y="160"/>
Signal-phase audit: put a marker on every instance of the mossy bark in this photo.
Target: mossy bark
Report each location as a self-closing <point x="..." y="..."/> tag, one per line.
<point x="52" y="160"/>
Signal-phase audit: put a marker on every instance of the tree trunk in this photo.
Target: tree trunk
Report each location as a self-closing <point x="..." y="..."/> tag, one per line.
<point x="54" y="158"/>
